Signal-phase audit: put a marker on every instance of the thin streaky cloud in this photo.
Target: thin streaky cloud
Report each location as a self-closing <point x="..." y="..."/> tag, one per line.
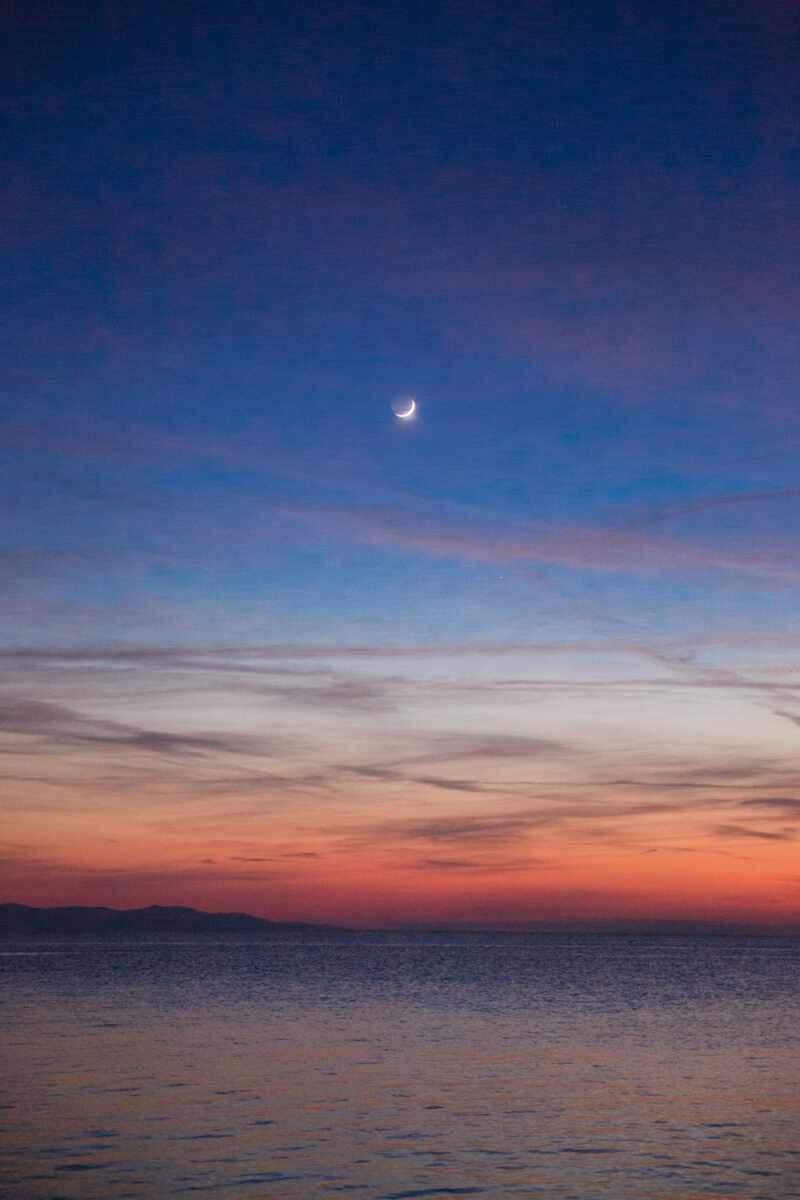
<point x="499" y="828"/>
<point x="480" y="866"/>
<point x="781" y="806"/>
<point x="731" y="500"/>
<point x="745" y="833"/>
<point x="576" y="547"/>
<point x="207" y="654"/>
<point x="59" y="725"/>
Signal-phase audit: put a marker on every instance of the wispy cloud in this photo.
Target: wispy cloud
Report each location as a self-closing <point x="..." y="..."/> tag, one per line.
<point x="703" y="504"/>
<point x="596" y="820"/>
<point x="388" y="775"/>
<point x="203" y="872"/>
<point x="784" y="807"/>
<point x="461" y="747"/>
<point x="744" y="832"/>
<point x="777" y="698"/>
<point x="480" y="866"/>
<point x="580" y="547"/>
<point x="247" y="657"/>
<point x="486" y="829"/>
<point x="59" y="725"/>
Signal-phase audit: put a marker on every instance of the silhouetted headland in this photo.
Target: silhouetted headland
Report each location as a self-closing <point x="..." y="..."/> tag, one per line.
<point x="20" y="921"/>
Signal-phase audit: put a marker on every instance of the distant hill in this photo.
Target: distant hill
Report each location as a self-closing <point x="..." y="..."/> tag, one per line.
<point x="21" y="921"/>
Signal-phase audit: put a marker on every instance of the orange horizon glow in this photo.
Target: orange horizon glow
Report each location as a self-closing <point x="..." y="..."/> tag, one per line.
<point x="582" y="810"/>
<point x="371" y="891"/>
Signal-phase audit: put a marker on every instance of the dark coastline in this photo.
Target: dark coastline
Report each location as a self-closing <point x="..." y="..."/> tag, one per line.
<point x="22" y="922"/>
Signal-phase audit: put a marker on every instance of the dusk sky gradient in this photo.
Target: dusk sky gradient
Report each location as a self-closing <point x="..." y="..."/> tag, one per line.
<point x="531" y="657"/>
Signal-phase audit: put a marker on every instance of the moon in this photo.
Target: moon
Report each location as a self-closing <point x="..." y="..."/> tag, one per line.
<point x="404" y="407"/>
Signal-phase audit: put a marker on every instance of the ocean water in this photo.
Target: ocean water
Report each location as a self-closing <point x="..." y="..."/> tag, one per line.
<point x="642" y="1068"/>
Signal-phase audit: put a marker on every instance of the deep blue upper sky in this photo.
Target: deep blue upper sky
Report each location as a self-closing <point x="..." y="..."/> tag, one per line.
<point x="234" y="234"/>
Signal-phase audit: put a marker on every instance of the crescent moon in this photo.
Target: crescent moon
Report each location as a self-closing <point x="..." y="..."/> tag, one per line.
<point x="409" y="412"/>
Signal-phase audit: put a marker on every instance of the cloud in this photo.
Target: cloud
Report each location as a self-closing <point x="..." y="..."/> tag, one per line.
<point x="460" y="747"/>
<point x="478" y="866"/>
<point x="249" y="657"/>
<point x="775" y="697"/>
<point x="578" y="547"/>
<point x="781" y="806"/>
<point x="280" y="855"/>
<point x="343" y="693"/>
<point x="262" y="782"/>
<point x="731" y="500"/>
<point x="18" y="868"/>
<point x="449" y="785"/>
<point x="737" y="775"/>
<point x="487" y="829"/>
<point x="793" y="718"/>
<point x="496" y="828"/>
<point x="388" y="775"/>
<point x="62" y="726"/>
<point x="448" y="748"/>
<point x="740" y="831"/>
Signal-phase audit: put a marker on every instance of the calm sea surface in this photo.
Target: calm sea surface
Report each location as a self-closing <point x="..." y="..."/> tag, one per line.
<point x="401" y="1066"/>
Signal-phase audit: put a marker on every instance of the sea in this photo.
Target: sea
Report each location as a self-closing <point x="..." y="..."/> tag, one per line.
<point x="400" y="1066"/>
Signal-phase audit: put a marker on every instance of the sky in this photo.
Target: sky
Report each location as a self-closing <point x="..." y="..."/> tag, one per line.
<point x="531" y="657"/>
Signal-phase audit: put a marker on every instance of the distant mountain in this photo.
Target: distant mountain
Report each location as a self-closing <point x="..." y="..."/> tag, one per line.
<point x="21" y="921"/>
